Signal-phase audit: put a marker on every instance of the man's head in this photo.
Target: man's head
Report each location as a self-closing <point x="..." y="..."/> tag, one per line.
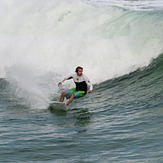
<point x="79" y="70"/>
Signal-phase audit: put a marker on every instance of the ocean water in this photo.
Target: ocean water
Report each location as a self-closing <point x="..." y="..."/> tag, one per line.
<point x="120" y="46"/>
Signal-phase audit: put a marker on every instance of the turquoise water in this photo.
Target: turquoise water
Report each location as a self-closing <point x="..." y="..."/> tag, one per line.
<point x="120" y="47"/>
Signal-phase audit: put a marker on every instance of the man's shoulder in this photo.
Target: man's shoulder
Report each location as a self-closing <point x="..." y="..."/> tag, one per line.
<point x="84" y="75"/>
<point x="73" y="75"/>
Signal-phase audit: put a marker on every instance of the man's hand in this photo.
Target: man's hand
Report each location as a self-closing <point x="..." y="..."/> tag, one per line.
<point x="89" y="91"/>
<point x="59" y="84"/>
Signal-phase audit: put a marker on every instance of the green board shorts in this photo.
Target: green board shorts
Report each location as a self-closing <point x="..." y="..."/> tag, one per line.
<point x="77" y="94"/>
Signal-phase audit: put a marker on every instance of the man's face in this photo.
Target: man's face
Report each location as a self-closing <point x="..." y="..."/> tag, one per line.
<point x="80" y="71"/>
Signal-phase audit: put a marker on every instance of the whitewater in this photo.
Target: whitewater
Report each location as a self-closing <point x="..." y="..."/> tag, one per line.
<point x="120" y="46"/>
<point x="38" y="39"/>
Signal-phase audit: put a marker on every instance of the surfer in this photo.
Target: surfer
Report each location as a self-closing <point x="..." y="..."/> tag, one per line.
<point x="81" y="81"/>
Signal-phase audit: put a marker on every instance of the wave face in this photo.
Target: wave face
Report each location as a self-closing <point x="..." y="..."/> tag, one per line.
<point x="120" y="46"/>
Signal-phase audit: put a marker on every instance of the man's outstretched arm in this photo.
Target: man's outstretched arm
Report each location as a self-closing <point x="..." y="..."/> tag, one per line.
<point x="67" y="78"/>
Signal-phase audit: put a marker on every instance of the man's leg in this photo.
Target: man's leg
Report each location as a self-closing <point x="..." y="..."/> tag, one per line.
<point x="75" y="95"/>
<point x="63" y="96"/>
<point x="70" y="99"/>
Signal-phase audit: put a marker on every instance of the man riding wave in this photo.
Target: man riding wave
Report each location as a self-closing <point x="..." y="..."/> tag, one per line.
<point x="81" y="81"/>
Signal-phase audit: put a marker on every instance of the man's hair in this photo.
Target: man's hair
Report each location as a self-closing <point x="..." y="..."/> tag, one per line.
<point x="77" y="68"/>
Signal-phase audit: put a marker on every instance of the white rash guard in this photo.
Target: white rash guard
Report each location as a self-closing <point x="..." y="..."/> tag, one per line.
<point x="81" y="82"/>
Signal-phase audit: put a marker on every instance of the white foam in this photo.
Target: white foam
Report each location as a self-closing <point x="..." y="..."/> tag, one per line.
<point x="42" y="42"/>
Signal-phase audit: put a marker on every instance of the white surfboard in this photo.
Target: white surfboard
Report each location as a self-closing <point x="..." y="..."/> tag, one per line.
<point x="58" y="105"/>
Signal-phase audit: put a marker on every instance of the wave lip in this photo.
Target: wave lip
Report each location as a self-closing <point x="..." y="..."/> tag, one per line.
<point x="135" y="5"/>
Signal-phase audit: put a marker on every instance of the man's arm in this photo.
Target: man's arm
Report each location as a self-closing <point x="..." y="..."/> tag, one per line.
<point x="88" y="83"/>
<point x="67" y="78"/>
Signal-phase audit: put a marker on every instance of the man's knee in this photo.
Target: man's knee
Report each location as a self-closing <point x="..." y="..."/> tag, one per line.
<point x="72" y="96"/>
<point x="64" y="94"/>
